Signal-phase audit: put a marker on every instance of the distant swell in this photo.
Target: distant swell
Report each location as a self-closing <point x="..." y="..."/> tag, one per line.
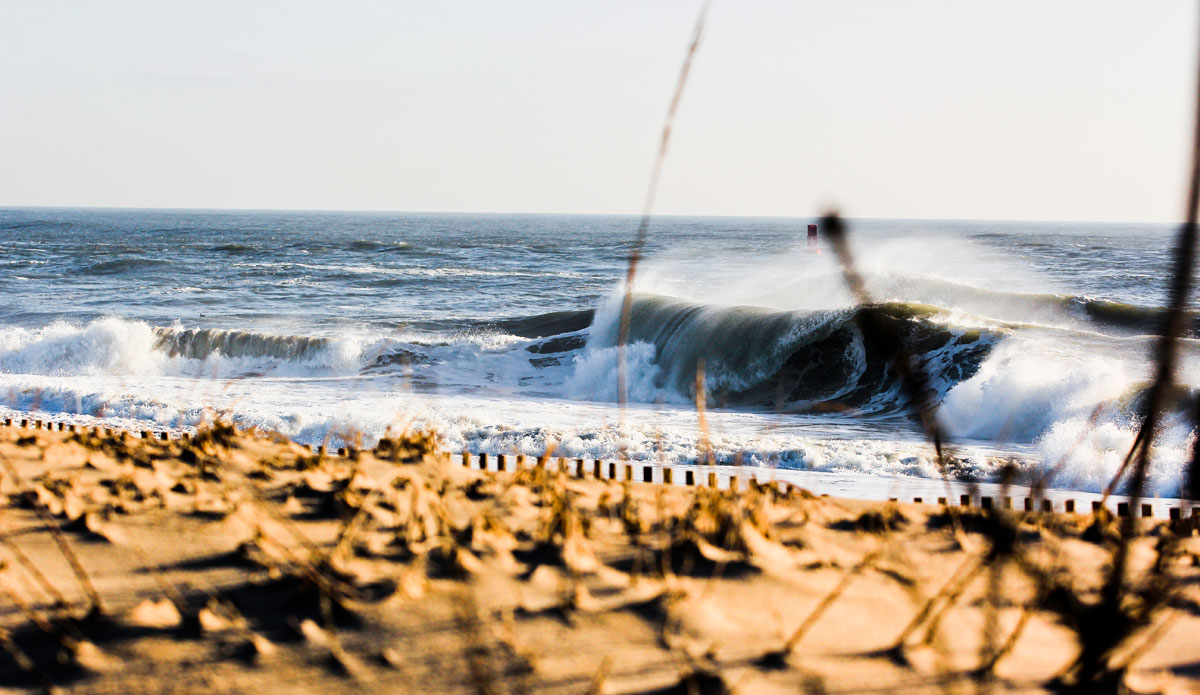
<point x="374" y="245"/>
<point x="232" y="248"/>
<point x="1142" y="319"/>
<point x="543" y="325"/>
<point x="123" y="265"/>
<point x="1044" y="308"/>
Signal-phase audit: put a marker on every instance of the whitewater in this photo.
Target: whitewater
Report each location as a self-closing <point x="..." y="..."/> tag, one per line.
<point x="499" y="332"/>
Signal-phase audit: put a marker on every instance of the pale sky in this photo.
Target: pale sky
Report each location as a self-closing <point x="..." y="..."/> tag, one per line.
<point x="1006" y="109"/>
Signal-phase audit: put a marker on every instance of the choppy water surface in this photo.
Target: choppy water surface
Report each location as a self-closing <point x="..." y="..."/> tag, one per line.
<point x="500" y="331"/>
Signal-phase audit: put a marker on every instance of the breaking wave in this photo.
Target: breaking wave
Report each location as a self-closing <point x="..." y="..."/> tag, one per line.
<point x="805" y="361"/>
<point x="119" y="347"/>
<point x="199" y="344"/>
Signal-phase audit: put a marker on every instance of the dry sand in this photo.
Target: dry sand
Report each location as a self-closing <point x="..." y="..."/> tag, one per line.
<point x="242" y="563"/>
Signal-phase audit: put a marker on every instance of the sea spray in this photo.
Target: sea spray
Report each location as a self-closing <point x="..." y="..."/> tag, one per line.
<point x="103" y="346"/>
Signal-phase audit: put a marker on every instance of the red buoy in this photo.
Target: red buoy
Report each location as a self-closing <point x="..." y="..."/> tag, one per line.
<point x="812" y="239"/>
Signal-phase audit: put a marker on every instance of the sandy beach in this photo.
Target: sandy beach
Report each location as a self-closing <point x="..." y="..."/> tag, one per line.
<point x="238" y="562"/>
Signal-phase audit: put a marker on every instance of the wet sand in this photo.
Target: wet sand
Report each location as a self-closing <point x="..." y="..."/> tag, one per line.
<point x="239" y="562"/>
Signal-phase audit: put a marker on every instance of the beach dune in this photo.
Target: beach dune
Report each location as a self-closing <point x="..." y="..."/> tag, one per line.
<point x="241" y="562"/>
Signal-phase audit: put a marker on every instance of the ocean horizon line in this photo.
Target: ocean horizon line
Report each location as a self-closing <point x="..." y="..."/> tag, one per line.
<point x="550" y="214"/>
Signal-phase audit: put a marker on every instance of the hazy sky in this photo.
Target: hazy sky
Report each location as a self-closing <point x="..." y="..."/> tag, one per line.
<point x="945" y="109"/>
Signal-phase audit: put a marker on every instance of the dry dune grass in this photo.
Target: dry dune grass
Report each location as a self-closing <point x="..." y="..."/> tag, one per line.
<point x="241" y="562"/>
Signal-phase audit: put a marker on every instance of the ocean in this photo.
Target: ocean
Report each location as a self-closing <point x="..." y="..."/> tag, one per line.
<point x="498" y="331"/>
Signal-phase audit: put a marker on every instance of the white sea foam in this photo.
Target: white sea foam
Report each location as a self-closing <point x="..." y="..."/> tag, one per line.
<point x="103" y="346"/>
<point x="594" y="377"/>
<point x="333" y="407"/>
<point x="1020" y="392"/>
<point x="1076" y="411"/>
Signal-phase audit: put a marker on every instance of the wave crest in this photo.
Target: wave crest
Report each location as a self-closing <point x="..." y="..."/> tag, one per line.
<point x="790" y="359"/>
<point x="199" y="344"/>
